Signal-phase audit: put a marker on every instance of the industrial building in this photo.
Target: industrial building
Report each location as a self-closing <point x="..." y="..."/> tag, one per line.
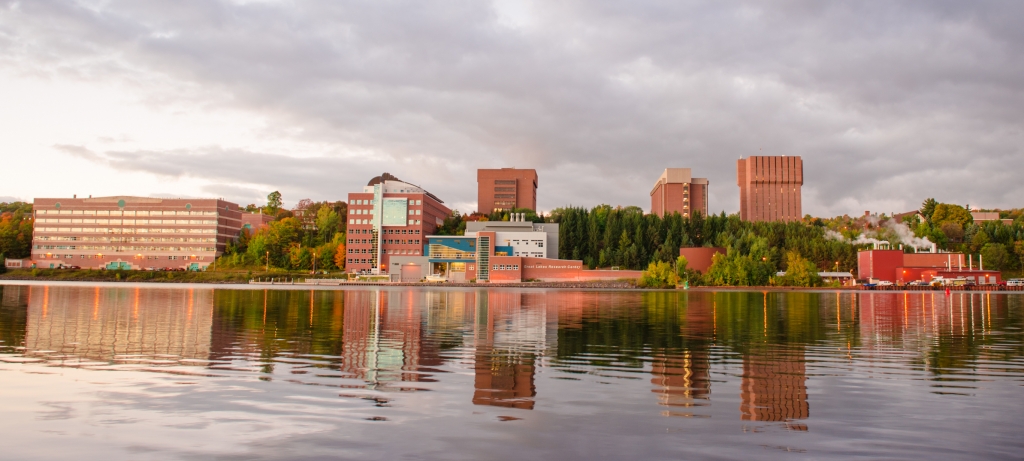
<point x="126" y="232"/>
<point x="390" y="217"/>
<point x="506" y="188"/>
<point x="677" y="191"/>
<point x="901" y="268"/>
<point x="770" y="188"/>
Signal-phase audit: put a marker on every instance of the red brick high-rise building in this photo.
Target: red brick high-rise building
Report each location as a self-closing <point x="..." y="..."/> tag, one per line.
<point x="770" y="188"/>
<point x="389" y="217"/>
<point x="678" y="191"/>
<point x="505" y="189"/>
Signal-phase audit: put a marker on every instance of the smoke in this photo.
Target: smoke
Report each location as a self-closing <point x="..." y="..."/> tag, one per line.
<point x="864" y="239"/>
<point x="833" y="235"/>
<point x="898" y="230"/>
<point x="907" y="236"/>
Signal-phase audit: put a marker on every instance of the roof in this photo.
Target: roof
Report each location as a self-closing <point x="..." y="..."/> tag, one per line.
<point x="390" y="177"/>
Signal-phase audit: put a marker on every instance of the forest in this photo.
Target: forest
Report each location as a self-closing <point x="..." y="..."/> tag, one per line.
<point x="755" y="251"/>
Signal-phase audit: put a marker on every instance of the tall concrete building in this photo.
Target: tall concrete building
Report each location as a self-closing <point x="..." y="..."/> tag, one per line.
<point x="132" y="232"/>
<point x="505" y="189"/>
<point x="678" y="191"/>
<point x="389" y="217"/>
<point x="770" y="188"/>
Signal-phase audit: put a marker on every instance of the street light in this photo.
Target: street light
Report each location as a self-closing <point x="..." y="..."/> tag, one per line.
<point x="314" y="263"/>
<point x="268" y="261"/>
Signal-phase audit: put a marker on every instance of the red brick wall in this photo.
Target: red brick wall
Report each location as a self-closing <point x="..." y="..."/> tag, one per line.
<point x="551" y="270"/>
<point x="506" y="269"/>
<point x="699" y="258"/>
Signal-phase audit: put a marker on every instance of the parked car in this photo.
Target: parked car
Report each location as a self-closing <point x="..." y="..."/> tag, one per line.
<point x="1015" y="283"/>
<point x="884" y="283"/>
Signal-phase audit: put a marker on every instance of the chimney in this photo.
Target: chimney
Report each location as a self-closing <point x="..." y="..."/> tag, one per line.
<point x="74" y="196"/>
<point x="867" y="213"/>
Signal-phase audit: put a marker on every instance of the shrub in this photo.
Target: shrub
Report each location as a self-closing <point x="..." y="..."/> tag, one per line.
<point x="659" y="275"/>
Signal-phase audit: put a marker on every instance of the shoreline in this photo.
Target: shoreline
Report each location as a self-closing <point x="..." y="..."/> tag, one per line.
<point x="578" y="286"/>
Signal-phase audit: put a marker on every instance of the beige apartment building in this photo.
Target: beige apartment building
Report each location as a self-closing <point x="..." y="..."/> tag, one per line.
<point x="132" y="232"/>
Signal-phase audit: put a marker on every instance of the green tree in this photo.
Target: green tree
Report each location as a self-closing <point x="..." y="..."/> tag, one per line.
<point x="995" y="256"/>
<point x="1018" y="247"/>
<point x="799" y="272"/>
<point x="945" y="212"/>
<point x="274" y="202"/>
<point x="328" y="223"/>
<point x="928" y="208"/>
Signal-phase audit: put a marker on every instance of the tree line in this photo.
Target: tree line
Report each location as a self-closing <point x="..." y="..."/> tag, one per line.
<point x="604" y="236"/>
<point x="313" y="234"/>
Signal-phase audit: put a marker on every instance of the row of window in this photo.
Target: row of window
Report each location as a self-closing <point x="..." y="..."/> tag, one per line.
<point x="128" y="230"/>
<point x="370" y="202"/>
<point x="127" y="239"/>
<point x="187" y="258"/>
<point x="505" y="267"/>
<point x="124" y="213"/>
<point x="128" y="222"/>
<point x="370" y="212"/>
<point x="121" y="248"/>
<point x="537" y="243"/>
<point x="367" y="221"/>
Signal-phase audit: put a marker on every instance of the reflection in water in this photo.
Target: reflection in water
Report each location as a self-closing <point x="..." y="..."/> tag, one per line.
<point x="504" y="375"/>
<point x="774" y="387"/>
<point x="124" y="324"/>
<point x="760" y="347"/>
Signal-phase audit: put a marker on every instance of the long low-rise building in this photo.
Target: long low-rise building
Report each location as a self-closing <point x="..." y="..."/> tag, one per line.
<point x="902" y="268"/>
<point x="125" y="232"/>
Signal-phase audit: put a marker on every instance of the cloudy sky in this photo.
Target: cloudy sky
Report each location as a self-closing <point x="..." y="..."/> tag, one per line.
<point x="887" y="102"/>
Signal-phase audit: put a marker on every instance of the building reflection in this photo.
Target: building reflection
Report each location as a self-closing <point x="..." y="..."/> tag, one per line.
<point x="384" y="337"/>
<point x="511" y="331"/>
<point x="104" y="324"/>
<point x="681" y="375"/>
<point x="774" y="387"/>
<point x="681" y="380"/>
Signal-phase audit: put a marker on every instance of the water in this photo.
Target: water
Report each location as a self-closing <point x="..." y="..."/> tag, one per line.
<point x="198" y="373"/>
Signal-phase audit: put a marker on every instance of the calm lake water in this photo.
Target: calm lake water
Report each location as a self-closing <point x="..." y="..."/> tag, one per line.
<point x="199" y="373"/>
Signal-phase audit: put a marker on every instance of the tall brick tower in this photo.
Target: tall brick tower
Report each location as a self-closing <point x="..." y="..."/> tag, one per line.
<point x="770" y="188"/>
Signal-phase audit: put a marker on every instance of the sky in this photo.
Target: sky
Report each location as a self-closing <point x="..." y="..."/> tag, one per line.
<point x="888" y="103"/>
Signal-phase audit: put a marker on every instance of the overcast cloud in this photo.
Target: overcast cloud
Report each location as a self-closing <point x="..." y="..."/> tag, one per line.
<point x="887" y="102"/>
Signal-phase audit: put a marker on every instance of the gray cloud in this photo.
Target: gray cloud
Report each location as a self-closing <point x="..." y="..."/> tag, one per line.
<point x="888" y="103"/>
